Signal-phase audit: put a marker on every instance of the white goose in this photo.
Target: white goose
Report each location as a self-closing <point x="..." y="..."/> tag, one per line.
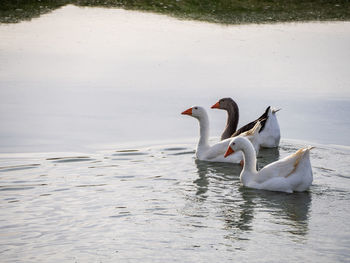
<point x="292" y="173"/>
<point x="270" y="134"/>
<point x="215" y="153"/>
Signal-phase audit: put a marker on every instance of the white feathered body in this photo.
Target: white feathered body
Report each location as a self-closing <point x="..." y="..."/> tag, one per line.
<point x="270" y="136"/>
<point x="215" y="153"/>
<point x="293" y="173"/>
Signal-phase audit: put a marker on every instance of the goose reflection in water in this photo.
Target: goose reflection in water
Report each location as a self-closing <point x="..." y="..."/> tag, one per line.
<point x="222" y="178"/>
<point x="218" y="172"/>
<point x="267" y="156"/>
<point x="239" y="206"/>
<point x="289" y="210"/>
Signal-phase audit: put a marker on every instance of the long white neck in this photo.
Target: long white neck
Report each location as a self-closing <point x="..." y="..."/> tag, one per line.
<point x="249" y="168"/>
<point x="204" y="130"/>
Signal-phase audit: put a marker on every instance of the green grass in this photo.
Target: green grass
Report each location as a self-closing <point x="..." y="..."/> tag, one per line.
<point x="218" y="11"/>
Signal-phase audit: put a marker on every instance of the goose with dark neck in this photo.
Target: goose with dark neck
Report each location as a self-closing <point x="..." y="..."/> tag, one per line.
<point x="231" y="107"/>
<point x="270" y="135"/>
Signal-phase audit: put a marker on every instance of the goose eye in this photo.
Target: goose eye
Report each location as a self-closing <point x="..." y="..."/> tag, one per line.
<point x="233" y="143"/>
<point x="196" y="108"/>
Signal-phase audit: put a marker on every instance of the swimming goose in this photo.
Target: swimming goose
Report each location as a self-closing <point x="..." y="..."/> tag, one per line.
<point x="270" y="135"/>
<point x="215" y="153"/>
<point x="292" y="173"/>
<point x="231" y="107"/>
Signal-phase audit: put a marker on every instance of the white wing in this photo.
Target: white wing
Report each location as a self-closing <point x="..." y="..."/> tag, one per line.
<point x="282" y="168"/>
<point x="217" y="149"/>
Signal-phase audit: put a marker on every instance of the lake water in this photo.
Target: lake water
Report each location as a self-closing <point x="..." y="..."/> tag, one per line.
<point x="96" y="162"/>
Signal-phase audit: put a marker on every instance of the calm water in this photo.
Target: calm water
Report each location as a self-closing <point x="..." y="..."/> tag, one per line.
<point x="96" y="162"/>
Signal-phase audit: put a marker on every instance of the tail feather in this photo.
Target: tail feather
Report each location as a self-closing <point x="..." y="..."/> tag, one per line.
<point x="253" y="130"/>
<point x="298" y="154"/>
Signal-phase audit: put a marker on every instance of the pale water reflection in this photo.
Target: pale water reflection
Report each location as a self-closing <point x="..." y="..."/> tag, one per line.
<point x="81" y="79"/>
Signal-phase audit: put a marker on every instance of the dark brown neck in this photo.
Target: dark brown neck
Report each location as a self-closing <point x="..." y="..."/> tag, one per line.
<point x="232" y="120"/>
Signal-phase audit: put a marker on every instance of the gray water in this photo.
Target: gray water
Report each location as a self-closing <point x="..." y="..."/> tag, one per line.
<point x="158" y="204"/>
<point x="96" y="162"/>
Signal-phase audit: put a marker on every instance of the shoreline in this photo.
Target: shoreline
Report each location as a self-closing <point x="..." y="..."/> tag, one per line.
<point x="219" y="12"/>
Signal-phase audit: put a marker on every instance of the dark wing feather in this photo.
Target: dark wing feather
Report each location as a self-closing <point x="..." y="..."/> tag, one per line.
<point x="250" y="125"/>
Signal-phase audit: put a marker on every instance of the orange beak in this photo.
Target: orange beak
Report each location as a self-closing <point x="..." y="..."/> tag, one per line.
<point x="229" y="152"/>
<point x="187" y="112"/>
<point x="216" y="106"/>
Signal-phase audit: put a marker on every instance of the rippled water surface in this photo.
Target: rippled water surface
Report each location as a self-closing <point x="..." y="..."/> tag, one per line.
<point x="96" y="162"/>
<point x="158" y="204"/>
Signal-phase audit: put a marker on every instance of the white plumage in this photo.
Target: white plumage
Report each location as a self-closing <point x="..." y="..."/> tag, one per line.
<point x="215" y="153"/>
<point x="292" y="173"/>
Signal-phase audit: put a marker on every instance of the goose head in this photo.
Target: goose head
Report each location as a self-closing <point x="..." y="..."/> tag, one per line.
<point x="252" y="135"/>
<point x="195" y="111"/>
<point x="223" y="104"/>
<point x="236" y="145"/>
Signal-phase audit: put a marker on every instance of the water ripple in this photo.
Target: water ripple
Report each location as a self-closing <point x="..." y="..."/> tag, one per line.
<point x="70" y="159"/>
<point x="90" y="185"/>
<point x="18" y="167"/>
<point x="19" y="187"/>
<point x="183" y="153"/>
<point x="129" y="153"/>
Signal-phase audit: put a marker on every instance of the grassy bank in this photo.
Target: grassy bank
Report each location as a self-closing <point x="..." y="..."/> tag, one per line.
<point x="219" y="11"/>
